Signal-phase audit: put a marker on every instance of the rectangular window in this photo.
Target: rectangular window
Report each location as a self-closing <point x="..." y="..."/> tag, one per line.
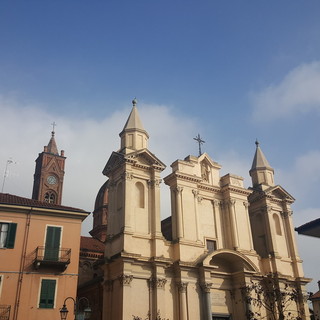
<point x="211" y="245"/>
<point x="7" y="234"/>
<point x="47" y="293"/>
<point x="52" y="244"/>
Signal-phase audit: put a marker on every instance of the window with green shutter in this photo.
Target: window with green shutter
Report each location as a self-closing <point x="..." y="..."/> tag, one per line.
<point x="47" y="293"/>
<point x="52" y="244"/>
<point x="7" y="234"/>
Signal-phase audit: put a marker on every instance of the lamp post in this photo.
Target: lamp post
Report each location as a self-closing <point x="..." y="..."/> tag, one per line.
<point x="85" y="315"/>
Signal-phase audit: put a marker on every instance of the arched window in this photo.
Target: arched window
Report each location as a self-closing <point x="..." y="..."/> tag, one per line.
<point x="139" y="195"/>
<point x="277" y="224"/>
<point x="119" y="196"/>
<point x="50" y="197"/>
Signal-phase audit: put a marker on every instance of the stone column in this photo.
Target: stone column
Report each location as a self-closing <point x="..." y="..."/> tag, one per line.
<point x="178" y="191"/>
<point x="127" y="202"/>
<point x="196" y="200"/>
<point x="154" y="204"/>
<point x="271" y="235"/>
<point x="182" y="286"/>
<point x="246" y="205"/>
<point x="156" y="289"/>
<point x="125" y="281"/>
<point x="216" y="205"/>
<point x="235" y="240"/>
<point x="206" y="287"/>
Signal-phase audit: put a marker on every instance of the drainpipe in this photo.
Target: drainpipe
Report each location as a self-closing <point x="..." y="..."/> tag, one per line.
<point x="22" y="264"/>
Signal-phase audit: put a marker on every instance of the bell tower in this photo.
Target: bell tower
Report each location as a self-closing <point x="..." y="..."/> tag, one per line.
<point x="134" y="192"/>
<point x="49" y="173"/>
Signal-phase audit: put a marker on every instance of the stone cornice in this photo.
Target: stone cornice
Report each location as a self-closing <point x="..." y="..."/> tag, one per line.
<point x="238" y="190"/>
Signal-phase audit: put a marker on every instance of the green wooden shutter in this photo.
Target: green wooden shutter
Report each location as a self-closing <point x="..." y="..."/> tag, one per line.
<point x="12" y="228"/>
<point x="47" y="293"/>
<point x="52" y="243"/>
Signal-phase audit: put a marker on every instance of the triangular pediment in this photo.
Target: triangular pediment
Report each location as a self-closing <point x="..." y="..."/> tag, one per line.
<point x="205" y="158"/>
<point x="114" y="161"/>
<point x="280" y="193"/>
<point x="145" y="157"/>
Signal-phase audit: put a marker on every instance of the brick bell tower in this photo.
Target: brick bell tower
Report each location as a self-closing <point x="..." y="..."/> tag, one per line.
<point x="49" y="173"/>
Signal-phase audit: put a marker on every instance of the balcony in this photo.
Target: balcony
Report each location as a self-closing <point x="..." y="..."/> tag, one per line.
<point x="52" y="258"/>
<point x="4" y="312"/>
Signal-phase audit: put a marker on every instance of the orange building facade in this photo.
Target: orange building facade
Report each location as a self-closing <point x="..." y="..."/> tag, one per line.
<point x="39" y="257"/>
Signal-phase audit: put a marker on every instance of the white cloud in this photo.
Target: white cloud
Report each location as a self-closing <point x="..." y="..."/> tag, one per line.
<point x="297" y="93"/>
<point x="88" y="143"/>
<point x="303" y="177"/>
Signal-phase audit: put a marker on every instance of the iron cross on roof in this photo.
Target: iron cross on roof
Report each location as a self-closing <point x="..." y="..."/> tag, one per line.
<point x="200" y="142"/>
<point x="53" y="125"/>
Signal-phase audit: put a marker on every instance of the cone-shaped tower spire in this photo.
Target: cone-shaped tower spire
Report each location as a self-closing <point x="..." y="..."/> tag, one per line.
<point x="52" y="146"/>
<point x="261" y="172"/>
<point x="133" y="136"/>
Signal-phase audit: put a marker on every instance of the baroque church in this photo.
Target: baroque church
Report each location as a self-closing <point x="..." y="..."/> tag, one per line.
<point x="219" y="238"/>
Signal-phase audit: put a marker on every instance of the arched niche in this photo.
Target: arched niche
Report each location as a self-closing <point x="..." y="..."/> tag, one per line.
<point x="277" y="224"/>
<point x="139" y="195"/>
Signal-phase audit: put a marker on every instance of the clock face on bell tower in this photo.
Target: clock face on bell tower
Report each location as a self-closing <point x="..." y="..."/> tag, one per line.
<point x="49" y="174"/>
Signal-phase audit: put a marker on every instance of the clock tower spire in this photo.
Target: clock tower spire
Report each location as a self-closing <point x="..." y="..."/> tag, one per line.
<point x="49" y="173"/>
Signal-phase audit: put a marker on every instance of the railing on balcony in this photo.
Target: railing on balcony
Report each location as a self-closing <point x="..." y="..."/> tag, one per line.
<point x="51" y="257"/>
<point x="4" y="312"/>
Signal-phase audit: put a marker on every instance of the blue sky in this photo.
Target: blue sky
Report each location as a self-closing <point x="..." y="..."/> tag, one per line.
<point x="232" y="71"/>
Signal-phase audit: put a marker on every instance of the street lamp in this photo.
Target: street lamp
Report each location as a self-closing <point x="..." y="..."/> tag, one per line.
<point x="85" y="315"/>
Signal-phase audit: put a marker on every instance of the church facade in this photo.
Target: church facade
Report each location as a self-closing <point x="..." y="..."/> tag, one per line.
<point x="220" y="238"/>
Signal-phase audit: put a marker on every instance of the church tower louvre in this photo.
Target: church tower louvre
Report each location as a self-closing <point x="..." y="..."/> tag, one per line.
<point x="49" y="173"/>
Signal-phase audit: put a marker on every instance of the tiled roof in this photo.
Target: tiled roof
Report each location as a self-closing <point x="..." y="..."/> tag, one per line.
<point x="316" y="295"/>
<point x="10" y="199"/>
<point x="91" y="244"/>
<point x="311" y="228"/>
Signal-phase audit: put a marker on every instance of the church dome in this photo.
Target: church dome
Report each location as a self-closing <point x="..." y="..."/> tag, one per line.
<point x="102" y="197"/>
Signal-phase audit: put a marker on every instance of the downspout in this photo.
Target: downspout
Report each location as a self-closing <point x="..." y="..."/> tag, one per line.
<point x="22" y="264"/>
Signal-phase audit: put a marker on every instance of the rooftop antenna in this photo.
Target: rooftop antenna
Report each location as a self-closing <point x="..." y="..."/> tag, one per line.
<point x="200" y="142"/>
<point x="9" y="161"/>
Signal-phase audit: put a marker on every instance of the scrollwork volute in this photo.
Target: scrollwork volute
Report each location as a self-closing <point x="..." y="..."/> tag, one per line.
<point x="246" y="204"/>
<point x="195" y="192"/>
<point x="178" y="190"/>
<point x="182" y="286"/>
<point x="127" y="175"/>
<point x="125" y="280"/>
<point x="217" y="203"/>
<point x="206" y="286"/>
<point x="158" y="283"/>
<point x="154" y="183"/>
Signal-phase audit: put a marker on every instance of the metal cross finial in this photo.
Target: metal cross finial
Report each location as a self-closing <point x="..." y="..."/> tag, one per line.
<point x="53" y="125"/>
<point x="200" y="142"/>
